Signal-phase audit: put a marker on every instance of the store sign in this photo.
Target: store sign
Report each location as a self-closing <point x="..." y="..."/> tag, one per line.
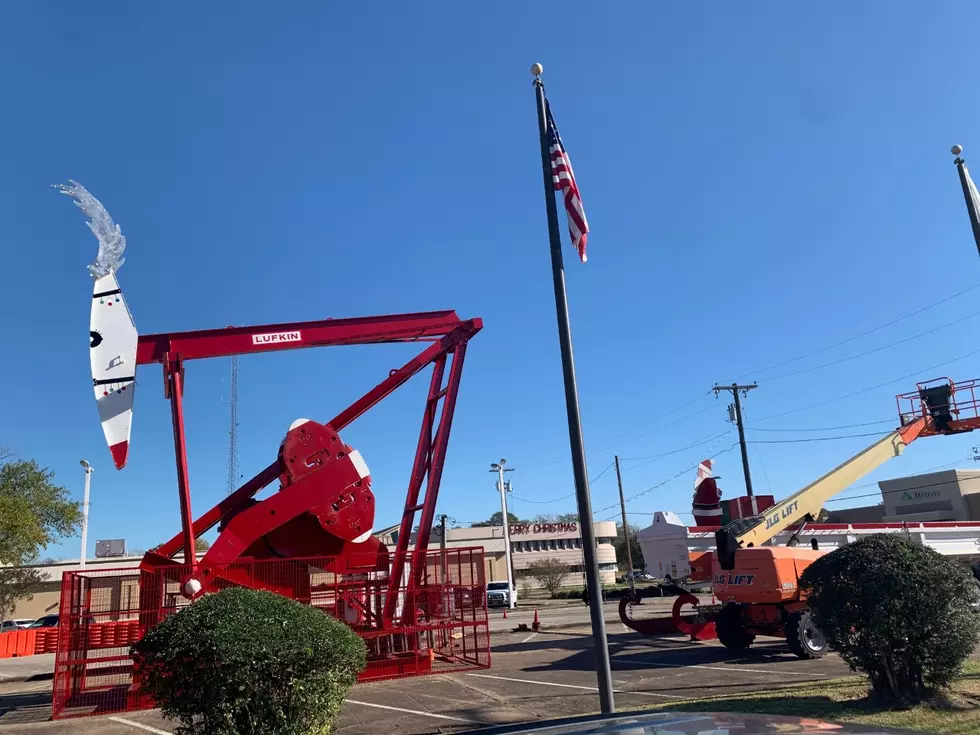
<point x="519" y="529"/>
<point x="920" y="494"/>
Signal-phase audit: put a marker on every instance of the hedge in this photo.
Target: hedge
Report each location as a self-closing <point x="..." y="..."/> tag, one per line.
<point x="896" y="610"/>
<point x="248" y="662"/>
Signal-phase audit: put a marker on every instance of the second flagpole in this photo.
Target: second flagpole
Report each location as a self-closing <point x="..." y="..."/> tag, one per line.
<point x="968" y="190"/>
<point x="603" y="672"/>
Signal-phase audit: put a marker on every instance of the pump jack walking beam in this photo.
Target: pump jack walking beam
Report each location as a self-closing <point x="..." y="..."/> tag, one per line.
<point x="449" y="335"/>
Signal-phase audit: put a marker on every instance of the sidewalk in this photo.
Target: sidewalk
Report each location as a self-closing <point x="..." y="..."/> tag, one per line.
<point x="22" y="669"/>
<point x="570" y="616"/>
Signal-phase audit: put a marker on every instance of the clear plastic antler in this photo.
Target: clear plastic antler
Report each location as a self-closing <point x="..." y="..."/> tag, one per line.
<point x="112" y="242"/>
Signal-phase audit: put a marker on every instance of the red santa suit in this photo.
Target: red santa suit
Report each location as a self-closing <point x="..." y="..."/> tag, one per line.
<point x="707" y="497"/>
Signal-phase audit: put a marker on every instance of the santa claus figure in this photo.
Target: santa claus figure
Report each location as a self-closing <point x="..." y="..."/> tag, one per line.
<point x="707" y="497"/>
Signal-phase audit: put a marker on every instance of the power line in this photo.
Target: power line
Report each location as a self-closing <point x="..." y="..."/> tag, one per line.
<point x="870" y="388"/>
<point x="856" y="487"/>
<point x="623" y="459"/>
<point x="876" y="349"/>
<point x="675" y="451"/>
<point x="862" y="334"/>
<point x="904" y="489"/>
<point x="669" y="479"/>
<point x="654" y="431"/>
<point x="564" y="457"/>
<point x="563" y="497"/>
<point x="828" y="428"/>
<point x="758" y="456"/>
<point x="665" y="415"/>
<point x="818" y="438"/>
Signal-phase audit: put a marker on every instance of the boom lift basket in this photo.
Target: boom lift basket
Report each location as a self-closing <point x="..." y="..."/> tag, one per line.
<point x="950" y="408"/>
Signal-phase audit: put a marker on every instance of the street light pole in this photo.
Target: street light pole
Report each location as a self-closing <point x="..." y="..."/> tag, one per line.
<point x="499" y="469"/>
<point x="89" y="469"/>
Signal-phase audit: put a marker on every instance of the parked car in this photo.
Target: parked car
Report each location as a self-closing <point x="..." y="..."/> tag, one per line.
<point x="48" y="621"/>
<point x="8" y="625"/>
<point x="638" y="576"/>
<point x="499" y="593"/>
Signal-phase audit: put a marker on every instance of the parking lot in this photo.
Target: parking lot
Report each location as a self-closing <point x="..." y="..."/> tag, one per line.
<point x="533" y="676"/>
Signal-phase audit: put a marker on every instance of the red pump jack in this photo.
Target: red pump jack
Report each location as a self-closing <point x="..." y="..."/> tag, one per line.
<point x="324" y="505"/>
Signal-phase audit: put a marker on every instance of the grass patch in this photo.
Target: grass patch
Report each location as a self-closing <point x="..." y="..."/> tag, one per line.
<point x="846" y="700"/>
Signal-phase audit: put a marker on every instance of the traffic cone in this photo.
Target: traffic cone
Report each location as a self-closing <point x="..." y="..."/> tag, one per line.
<point x="536" y="623"/>
<point x="505" y="613"/>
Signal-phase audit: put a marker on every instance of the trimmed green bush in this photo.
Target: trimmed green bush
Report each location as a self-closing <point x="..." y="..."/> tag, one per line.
<point x="898" y="611"/>
<point x="247" y="662"/>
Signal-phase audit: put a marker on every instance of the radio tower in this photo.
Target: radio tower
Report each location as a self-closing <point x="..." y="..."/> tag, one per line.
<point x="233" y="428"/>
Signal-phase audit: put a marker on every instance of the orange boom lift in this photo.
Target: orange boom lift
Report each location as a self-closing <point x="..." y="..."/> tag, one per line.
<point x="758" y="585"/>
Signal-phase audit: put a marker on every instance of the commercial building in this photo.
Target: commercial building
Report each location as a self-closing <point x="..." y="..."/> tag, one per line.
<point x="46" y="595"/>
<point x="950" y="495"/>
<point x="531" y="542"/>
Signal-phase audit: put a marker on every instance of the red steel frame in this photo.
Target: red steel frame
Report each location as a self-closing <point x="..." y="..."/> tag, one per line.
<point x="449" y="336"/>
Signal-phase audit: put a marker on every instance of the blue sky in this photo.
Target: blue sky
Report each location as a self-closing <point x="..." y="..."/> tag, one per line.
<point x="761" y="181"/>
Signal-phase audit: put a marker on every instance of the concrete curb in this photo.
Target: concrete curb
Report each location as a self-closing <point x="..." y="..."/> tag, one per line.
<point x="24" y="678"/>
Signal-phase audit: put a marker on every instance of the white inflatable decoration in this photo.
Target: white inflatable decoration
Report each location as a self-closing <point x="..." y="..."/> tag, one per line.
<point x="112" y="333"/>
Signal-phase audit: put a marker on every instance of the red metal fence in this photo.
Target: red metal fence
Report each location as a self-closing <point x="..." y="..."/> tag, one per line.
<point x="439" y="623"/>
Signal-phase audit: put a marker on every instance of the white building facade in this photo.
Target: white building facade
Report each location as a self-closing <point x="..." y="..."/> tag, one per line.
<point x="531" y="542"/>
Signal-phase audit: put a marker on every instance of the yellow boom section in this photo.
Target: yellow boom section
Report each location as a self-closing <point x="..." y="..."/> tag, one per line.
<point x="810" y="499"/>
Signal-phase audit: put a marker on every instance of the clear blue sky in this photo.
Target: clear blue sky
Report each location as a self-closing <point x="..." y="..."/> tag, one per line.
<point x="761" y="180"/>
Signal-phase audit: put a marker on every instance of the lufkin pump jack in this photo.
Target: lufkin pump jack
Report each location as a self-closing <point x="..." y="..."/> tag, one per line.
<point x="758" y="584"/>
<point x="324" y="505"/>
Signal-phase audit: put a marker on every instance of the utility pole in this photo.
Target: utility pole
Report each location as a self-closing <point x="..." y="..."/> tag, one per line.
<point x="735" y="389"/>
<point x="626" y="528"/>
<point x="505" y="520"/>
<point x="88" y="486"/>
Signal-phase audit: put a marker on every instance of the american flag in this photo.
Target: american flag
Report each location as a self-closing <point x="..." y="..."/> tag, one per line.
<point x="564" y="178"/>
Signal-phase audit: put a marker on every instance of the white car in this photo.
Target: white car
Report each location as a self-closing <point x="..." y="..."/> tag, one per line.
<point x="8" y="625"/>
<point x="498" y="593"/>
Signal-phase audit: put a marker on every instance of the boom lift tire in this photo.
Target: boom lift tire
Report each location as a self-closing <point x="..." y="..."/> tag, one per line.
<point x="803" y="636"/>
<point x="731" y="629"/>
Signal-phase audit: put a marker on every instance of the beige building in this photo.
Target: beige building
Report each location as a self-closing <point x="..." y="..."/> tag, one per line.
<point x="950" y="495"/>
<point x="536" y="541"/>
<point x="47" y="595"/>
<point x="529" y="541"/>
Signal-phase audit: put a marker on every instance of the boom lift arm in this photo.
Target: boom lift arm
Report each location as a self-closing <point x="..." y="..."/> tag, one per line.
<point x="806" y="503"/>
<point x="933" y="410"/>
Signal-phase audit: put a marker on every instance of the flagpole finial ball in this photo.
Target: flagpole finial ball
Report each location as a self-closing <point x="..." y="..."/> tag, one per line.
<point x="956" y="150"/>
<point x="536" y="69"/>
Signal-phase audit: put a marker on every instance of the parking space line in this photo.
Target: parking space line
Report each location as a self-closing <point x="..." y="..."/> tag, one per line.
<point x="139" y="725"/>
<point x="409" y="711"/>
<point x="727" y="669"/>
<point x="529" y="638"/>
<point x="571" y="686"/>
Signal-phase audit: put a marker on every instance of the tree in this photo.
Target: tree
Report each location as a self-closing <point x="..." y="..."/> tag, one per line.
<point x="619" y="544"/>
<point x="494" y="520"/>
<point x="549" y="573"/>
<point x="34" y="513"/>
<point x="556" y="518"/>
<point x="896" y="610"/>
<point x="250" y="662"/>
<point x="202" y="544"/>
